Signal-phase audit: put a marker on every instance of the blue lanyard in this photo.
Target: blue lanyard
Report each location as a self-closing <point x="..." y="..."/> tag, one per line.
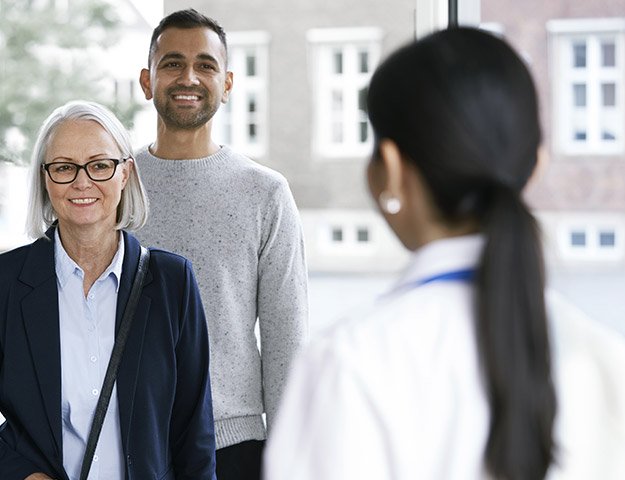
<point x="466" y="275"/>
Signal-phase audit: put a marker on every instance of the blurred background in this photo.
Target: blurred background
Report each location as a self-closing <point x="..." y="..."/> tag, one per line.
<point x="301" y="70"/>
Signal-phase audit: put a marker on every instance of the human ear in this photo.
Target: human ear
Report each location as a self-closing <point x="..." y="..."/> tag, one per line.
<point x="128" y="166"/>
<point x="144" y="81"/>
<point x="228" y="87"/>
<point x="392" y="195"/>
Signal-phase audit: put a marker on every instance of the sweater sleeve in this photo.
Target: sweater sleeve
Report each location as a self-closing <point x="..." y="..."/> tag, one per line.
<point x="282" y="294"/>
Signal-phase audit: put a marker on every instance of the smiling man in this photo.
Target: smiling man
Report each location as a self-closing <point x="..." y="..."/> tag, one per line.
<point x="237" y="222"/>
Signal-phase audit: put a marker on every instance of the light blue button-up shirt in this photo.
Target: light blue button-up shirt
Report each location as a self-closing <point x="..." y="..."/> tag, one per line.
<point x="87" y="326"/>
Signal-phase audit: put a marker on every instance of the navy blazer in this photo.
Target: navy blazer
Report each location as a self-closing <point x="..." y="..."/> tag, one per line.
<point x="163" y="384"/>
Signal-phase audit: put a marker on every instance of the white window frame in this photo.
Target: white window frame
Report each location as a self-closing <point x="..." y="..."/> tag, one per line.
<point x="562" y="35"/>
<point x="592" y="251"/>
<point x="432" y="15"/>
<point x="324" y="43"/>
<point x="233" y="121"/>
<point x="349" y="244"/>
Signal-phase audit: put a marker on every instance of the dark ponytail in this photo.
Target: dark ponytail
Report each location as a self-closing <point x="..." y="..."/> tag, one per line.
<point x="513" y="341"/>
<point x="462" y="107"/>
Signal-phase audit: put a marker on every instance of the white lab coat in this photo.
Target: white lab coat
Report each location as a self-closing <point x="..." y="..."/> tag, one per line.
<point x="395" y="391"/>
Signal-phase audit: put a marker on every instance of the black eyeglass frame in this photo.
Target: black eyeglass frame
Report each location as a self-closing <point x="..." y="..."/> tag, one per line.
<point x="116" y="162"/>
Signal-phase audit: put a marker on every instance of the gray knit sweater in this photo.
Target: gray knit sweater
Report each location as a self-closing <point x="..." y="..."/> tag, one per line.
<point x="238" y="224"/>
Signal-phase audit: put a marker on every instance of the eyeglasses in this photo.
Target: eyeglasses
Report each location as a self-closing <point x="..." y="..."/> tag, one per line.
<point x="99" y="170"/>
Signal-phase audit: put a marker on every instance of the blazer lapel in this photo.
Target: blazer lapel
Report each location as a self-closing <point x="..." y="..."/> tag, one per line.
<point x="40" y="313"/>
<point x="127" y="377"/>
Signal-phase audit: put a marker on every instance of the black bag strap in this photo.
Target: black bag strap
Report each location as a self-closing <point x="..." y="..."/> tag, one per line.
<point x="113" y="366"/>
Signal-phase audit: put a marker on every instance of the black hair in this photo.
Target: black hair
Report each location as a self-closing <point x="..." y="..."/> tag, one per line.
<point x="462" y="107"/>
<point x="189" y="18"/>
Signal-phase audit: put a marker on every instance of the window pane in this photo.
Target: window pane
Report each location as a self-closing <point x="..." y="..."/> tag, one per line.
<point x="607" y="135"/>
<point x="608" y="54"/>
<point x="364" y="132"/>
<point x="363" y="61"/>
<point x="363" y="235"/>
<point x="578" y="239"/>
<point x="607" y="239"/>
<point x="337" y="234"/>
<point x="337" y="101"/>
<point x="362" y="101"/>
<point x="579" y="94"/>
<point x="252" y="131"/>
<point x="363" y="124"/>
<point x="608" y="92"/>
<point x="580" y="135"/>
<point x="251" y="104"/>
<point x="250" y="65"/>
<point x="579" y="55"/>
<point x="338" y="62"/>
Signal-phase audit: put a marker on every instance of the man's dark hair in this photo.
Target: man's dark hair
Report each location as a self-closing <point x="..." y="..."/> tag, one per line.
<point x="189" y="18"/>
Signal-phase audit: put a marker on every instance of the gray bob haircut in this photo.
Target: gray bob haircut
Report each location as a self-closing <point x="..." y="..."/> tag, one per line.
<point x="132" y="211"/>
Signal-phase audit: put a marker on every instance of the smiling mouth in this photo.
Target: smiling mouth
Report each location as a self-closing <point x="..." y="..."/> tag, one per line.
<point x="187" y="97"/>
<point x="83" y="201"/>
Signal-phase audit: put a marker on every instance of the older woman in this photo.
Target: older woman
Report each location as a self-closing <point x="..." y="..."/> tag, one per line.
<point x="61" y="302"/>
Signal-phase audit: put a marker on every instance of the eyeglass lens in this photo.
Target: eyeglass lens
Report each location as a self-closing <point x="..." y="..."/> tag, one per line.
<point x="98" y="170"/>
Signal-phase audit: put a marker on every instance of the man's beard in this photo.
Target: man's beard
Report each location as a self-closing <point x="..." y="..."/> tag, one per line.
<point x="181" y="118"/>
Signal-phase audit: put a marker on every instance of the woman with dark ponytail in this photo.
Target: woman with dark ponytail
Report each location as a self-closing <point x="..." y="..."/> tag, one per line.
<point x="452" y="374"/>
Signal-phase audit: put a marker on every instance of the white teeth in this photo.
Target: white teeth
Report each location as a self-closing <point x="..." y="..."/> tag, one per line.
<point x="83" y="201"/>
<point x="186" y="97"/>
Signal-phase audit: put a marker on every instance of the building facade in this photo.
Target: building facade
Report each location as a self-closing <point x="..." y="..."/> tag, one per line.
<point x="301" y="70"/>
<point x="576" y="51"/>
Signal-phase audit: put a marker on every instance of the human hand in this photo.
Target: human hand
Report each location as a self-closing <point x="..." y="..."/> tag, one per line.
<point x="38" y="476"/>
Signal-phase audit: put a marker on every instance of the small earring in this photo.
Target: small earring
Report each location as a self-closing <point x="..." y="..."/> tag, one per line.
<point x="389" y="203"/>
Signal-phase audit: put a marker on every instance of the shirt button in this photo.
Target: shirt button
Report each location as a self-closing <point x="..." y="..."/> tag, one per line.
<point x="91" y="296"/>
<point x="95" y="458"/>
<point x="94" y="391"/>
<point x="94" y="358"/>
<point x="91" y="328"/>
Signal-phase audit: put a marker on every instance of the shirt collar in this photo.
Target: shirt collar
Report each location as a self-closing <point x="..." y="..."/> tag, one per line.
<point x="65" y="266"/>
<point x="443" y="256"/>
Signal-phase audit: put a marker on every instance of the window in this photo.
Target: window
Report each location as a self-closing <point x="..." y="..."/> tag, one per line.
<point x="242" y="122"/>
<point x="579" y="90"/>
<point x="608" y="54"/>
<point x="579" y="55"/>
<point x="607" y="239"/>
<point x="578" y="238"/>
<point x="588" y="72"/>
<point x="343" y="62"/>
<point x="593" y="238"/>
<point x="608" y="96"/>
<point x="362" y="234"/>
<point x="337" y="234"/>
<point x="346" y="235"/>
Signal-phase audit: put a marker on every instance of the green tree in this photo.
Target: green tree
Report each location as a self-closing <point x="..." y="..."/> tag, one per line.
<point x="46" y="59"/>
